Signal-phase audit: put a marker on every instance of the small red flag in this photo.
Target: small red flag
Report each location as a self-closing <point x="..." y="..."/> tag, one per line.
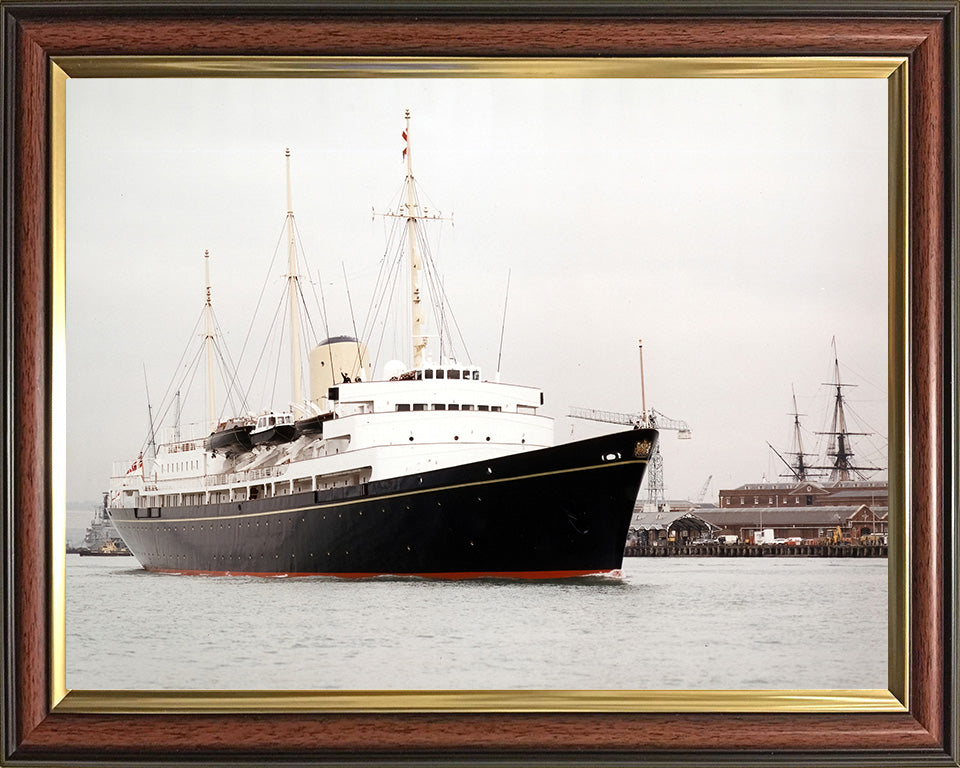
<point x="404" y="134"/>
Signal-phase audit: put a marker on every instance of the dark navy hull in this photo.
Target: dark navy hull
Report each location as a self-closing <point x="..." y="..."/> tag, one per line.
<point x="553" y="512"/>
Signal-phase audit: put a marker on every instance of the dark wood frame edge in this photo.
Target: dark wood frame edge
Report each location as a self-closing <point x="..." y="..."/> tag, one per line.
<point x="926" y="32"/>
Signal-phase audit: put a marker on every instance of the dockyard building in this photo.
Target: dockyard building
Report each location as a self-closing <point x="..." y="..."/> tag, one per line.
<point x="795" y="495"/>
<point x="803" y="523"/>
<point x="666" y="525"/>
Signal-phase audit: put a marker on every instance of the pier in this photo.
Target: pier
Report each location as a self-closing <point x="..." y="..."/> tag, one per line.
<point x="756" y="550"/>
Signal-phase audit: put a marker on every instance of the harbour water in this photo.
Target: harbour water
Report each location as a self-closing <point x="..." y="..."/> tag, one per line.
<point x="666" y="623"/>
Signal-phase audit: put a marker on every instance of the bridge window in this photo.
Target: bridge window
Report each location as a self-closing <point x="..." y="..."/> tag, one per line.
<point x="453" y="374"/>
<point x="440" y="373"/>
<point x="439" y="406"/>
<point x="428" y="374"/>
<point x="403" y="406"/>
<point x="419" y="406"/>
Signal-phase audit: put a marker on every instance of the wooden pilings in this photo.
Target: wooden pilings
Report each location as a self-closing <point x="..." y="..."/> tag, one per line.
<point x="757" y="550"/>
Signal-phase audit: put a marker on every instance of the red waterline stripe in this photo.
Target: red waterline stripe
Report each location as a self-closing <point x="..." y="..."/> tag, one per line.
<point x="450" y="575"/>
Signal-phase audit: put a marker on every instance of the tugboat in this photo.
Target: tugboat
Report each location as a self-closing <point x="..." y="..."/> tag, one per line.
<point x="431" y="470"/>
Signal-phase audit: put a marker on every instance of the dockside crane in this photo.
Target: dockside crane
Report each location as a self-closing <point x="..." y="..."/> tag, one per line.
<point x="648" y="417"/>
<point x="703" y="490"/>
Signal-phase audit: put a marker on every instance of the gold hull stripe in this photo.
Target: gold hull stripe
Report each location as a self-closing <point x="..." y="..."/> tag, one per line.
<point x="371" y="499"/>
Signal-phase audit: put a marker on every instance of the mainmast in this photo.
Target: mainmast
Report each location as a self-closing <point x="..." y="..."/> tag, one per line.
<point x="412" y="214"/>
<point x="840" y="448"/>
<point x="293" y="286"/>
<point x="410" y="211"/>
<point x="208" y="313"/>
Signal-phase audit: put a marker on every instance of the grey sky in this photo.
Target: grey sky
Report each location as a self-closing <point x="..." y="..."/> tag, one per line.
<point x="735" y="225"/>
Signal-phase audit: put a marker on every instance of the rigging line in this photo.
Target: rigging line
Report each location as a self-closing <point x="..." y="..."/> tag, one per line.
<point x="153" y="435"/>
<point x="436" y="297"/>
<point x="326" y="327"/>
<point x="445" y="302"/>
<point x="194" y="364"/>
<point x="306" y="264"/>
<point x="276" y="368"/>
<point x="230" y="372"/>
<point x="193" y="334"/>
<point x="503" y="324"/>
<point x="385" y="288"/>
<point x="393" y="290"/>
<point x="463" y="343"/>
<point x="263" y="351"/>
<point x="263" y="290"/>
<point x="392" y="262"/>
<point x="378" y="288"/>
<point x="224" y="372"/>
<point x="383" y="276"/>
<point x="305" y="344"/>
<point x="353" y="319"/>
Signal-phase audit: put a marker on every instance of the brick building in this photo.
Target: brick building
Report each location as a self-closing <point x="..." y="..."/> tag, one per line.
<point x="805" y="510"/>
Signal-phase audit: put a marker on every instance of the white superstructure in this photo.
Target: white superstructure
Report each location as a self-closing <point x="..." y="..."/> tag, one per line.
<point x="435" y="417"/>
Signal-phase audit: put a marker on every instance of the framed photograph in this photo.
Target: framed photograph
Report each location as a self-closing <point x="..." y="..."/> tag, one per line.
<point x="132" y="79"/>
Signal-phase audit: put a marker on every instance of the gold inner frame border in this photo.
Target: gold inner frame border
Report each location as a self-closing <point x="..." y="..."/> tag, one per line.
<point x="894" y="699"/>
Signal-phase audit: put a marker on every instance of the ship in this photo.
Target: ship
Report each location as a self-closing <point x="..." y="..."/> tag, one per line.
<point x="101" y="537"/>
<point x="430" y="470"/>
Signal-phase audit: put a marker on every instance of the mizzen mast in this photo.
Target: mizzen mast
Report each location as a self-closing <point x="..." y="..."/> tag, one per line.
<point x="208" y="314"/>
<point x="293" y="286"/>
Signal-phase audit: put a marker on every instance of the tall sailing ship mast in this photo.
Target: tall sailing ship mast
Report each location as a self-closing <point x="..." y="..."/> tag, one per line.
<point x="840" y="448"/>
<point x="839" y="465"/>
<point x="799" y="469"/>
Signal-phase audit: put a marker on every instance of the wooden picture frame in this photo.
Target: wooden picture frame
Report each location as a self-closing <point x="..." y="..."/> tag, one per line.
<point x="37" y="729"/>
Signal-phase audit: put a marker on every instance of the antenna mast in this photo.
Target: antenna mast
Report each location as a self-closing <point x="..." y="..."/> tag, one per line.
<point x="293" y="286"/>
<point x="643" y="395"/>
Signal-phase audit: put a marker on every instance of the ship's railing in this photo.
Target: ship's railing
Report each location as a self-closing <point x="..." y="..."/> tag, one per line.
<point x="246" y="476"/>
<point x="186" y="432"/>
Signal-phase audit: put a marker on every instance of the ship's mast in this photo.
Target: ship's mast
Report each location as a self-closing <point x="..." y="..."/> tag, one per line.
<point x="800" y="470"/>
<point x="208" y="313"/>
<point x="840" y="448"/>
<point x="412" y="214"/>
<point x="293" y="286"/>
